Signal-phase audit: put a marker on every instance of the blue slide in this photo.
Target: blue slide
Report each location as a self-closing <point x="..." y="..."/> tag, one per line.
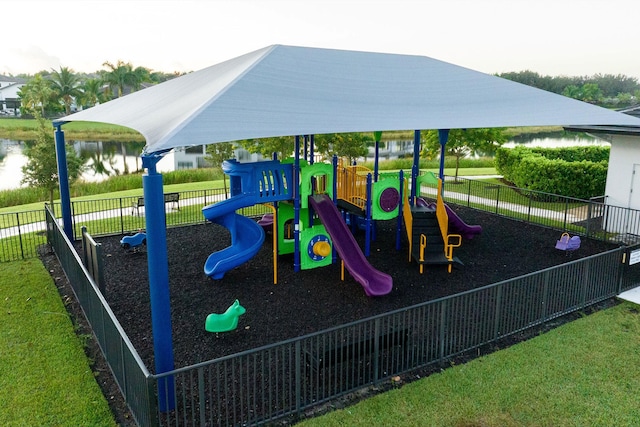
<point x="247" y="236"/>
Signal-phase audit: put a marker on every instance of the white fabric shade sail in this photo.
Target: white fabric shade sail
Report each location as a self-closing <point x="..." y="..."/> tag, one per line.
<point x="285" y="90"/>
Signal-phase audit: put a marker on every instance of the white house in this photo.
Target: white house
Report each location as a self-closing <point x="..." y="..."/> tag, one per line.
<point x="623" y="176"/>
<point x="9" y="99"/>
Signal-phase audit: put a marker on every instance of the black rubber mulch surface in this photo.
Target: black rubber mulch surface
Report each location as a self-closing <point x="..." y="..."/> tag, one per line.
<point x="310" y="300"/>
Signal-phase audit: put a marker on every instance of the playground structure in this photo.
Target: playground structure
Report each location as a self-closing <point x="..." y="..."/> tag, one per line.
<point x="433" y="229"/>
<point x="306" y="220"/>
<point x="313" y="206"/>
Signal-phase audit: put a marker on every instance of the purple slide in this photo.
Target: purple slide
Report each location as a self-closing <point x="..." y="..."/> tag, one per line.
<point x="456" y="224"/>
<point x="374" y="282"/>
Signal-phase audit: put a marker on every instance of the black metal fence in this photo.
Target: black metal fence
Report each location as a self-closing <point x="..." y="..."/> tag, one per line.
<point x="22" y="232"/>
<point x="289" y="378"/>
<point x="591" y="218"/>
<point x="131" y="375"/>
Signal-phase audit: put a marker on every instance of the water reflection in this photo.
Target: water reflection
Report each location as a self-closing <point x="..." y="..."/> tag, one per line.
<point x="102" y="160"/>
<point x="105" y="159"/>
<point x="555" y="139"/>
<point x="11" y="162"/>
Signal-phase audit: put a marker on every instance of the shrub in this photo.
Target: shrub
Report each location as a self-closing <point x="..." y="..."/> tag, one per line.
<point x="579" y="172"/>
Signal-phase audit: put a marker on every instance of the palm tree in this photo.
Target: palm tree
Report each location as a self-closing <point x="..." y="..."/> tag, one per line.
<point x="121" y="75"/>
<point x="140" y="75"/>
<point x="36" y="94"/>
<point x="92" y="92"/>
<point x="66" y="85"/>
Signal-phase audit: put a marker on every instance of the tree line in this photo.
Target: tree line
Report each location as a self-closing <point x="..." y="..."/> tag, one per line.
<point x="605" y="90"/>
<point x="55" y="92"/>
<point x="62" y="91"/>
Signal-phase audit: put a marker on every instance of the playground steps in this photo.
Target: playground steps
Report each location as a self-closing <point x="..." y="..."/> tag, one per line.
<point x="425" y="222"/>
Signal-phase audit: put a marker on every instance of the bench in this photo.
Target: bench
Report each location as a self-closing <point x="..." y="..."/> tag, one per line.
<point x="342" y="352"/>
<point x="168" y="198"/>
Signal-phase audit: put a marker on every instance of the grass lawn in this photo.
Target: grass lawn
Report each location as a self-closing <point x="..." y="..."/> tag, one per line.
<point x="581" y="374"/>
<point x="45" y="378"/>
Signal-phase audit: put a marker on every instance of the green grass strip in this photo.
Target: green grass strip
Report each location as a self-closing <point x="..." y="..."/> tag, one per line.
<point x="45" y="378"/>
<point x="581" y="374"/>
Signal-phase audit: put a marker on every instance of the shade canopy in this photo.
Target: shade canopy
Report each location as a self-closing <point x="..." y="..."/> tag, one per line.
<point x="286" y="90"/>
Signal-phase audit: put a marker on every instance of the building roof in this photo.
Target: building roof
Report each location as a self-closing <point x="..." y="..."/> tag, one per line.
<point x="633" y="111"/>
<point x="12" y="79"/>
<point x="287" y="90"/>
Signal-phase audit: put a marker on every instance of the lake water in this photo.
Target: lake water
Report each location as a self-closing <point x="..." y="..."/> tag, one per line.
<point x="110" y="156"/>
<point x="550" y="142"/>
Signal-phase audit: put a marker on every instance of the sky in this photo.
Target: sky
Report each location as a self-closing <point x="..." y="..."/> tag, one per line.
<point x="551" y="37"/>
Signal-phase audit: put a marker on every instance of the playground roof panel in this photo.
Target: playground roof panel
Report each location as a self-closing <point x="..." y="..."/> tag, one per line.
<point x="286" y="90"/>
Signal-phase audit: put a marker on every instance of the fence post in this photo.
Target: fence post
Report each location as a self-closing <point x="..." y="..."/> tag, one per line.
<point x="497" y="199"/>
<point x="585" y="283"/>
<point x="443" y="331"/>
<point x="152" y="401"/>
<point x="121" y="217"/>
<point x="589" y="212"/>
<point x="298" y="374"/>
<point x="376" y="351"/>
<point x="622" y="269"/>
<point x="498" y="313"/>
<point x="20" y="235"/>
<point x="469" y="193"/>
<point x="73" y="221"/>
<point x="546" y="297"/>
<point x="201" y="396"/>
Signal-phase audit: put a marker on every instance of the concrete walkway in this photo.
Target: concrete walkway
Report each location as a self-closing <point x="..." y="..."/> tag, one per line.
<point x="577" y="215"/>
<point x="632" y="295"/>
<point x="96" y="216"/>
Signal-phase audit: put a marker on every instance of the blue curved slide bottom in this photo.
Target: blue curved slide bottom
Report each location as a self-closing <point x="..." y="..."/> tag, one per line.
<point x="246" y="236"/>
<point x="374" y="282"/>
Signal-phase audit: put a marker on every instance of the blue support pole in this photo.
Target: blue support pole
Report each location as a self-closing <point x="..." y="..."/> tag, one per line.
<point x="63" y="181"/>
<point x="296" y="207"/>
<point x="312" y="142"/>
<point x="158" y="266"/>
<point x="306" y="148"/>
<point x="375" y="162"/>
<point x="415" y="169"/>
<point x="376" y="136"/>
<point x="334" y="254"/>
<point x="443" y="136"/>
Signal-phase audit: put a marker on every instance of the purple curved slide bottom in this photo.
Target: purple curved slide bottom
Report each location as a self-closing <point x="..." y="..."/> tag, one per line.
<point x="374" y="282"/>
<point x="456" y="224"/>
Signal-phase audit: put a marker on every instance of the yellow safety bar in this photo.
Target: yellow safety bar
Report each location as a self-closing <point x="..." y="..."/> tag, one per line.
<point x="408" y="218"/>
<point x="423" y="245"/>
<point x="443" y="222"/>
